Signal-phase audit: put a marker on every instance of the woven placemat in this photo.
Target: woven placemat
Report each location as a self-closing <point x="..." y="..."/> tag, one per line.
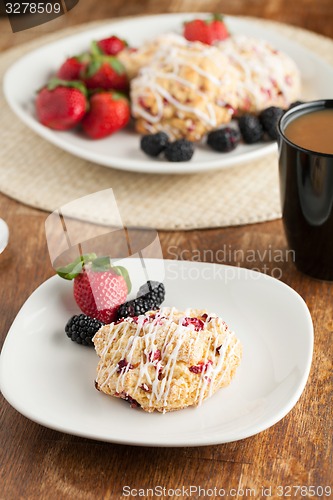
<point x="39" y="174"/>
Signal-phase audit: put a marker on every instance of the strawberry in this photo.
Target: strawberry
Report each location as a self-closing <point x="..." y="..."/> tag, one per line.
<point x="109" y="46"/>
<point x="72" y="67"/>
<point x="105" y="72"/>
<point x="99" y="288"/>
<point x="206" y="31"/>
<point x="109" y="112"/>
<point x="61" y="105"/>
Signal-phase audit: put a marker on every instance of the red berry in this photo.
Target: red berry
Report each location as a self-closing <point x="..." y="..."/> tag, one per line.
<point x="130" y="400"/>
<point x="108" y="113"/>
<point x="135" y="319"/>
<point x="99" y="293"/>
<point x="200" y="367"/>
<point x="122" y="364"/>
<point x="99" y="287"/>
<point x="198" y="323"/>
<point x="206" y="31"/>
<point x="105" y="72"/>
<point x="61" y="105"/>
<point x="154" y="356"/>
<point x="71" y="69"/>
<point x="219" y="29"/>
<point x="111" y="46"/>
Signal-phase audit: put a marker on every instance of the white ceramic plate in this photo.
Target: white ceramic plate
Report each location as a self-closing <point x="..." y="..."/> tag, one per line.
<point x="50" y="379"/>
<point x="122" y="149"/>
<point x="4" y="235"/>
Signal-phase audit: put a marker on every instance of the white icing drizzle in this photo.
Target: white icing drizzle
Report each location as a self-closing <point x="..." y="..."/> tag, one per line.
<point x="254" y="75"/>
<point x="210" y="366"/>
<point x="262" y="70"/>
<point x="174" y="53"/>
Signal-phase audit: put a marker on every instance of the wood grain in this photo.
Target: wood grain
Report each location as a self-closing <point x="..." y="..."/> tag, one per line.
<point x="40" y="463"/>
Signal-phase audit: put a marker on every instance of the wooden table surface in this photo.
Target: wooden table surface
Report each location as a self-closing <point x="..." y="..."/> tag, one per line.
<point x="41" y="463"/>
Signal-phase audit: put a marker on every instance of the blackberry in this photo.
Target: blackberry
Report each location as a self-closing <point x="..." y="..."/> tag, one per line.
<point x="150" y="296"/>
<point x="180" y="150"/>
<point x="154" y="288"/>
<point x="82" y="328"/>
<point x="269" y="119"/>
<point x="250" y="128"/>
<point x="223" y="140"/>
<point x="296" y="103"/>
<point x="154" y="144"/>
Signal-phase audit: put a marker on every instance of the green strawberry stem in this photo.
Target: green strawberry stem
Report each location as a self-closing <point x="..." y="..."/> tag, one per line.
<point x="214" y="17"/>
<point x="98" y="264"/>
<point x="73" y="269"/>
<point x="118" y="96"/>
<point x="97" y="59"/>
<point x="116" y="64"/>
<point x="218" y="17"/>
<point x="84" y="57"/>
<point x="95" y="49"/>
<point x="54" y="83"/>
<point x="94" y="65"/>
<point x="122" y="271"/>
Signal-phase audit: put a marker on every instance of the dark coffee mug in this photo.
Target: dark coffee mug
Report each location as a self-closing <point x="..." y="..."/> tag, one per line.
<point x="306" y="188"/>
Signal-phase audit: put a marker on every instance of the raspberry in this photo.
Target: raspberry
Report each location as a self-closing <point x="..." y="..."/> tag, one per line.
<point x="180" y="150"/>
<point x="269" y="119"/>
<point x="154" y="144"/>
<point x="196" y="322"/>
<point x="82" y="328"/>
<point x="223" y="140"/>
<point x="153" y="296"/>
<point x="250" y="128"/>
<point x="201" y="367"/>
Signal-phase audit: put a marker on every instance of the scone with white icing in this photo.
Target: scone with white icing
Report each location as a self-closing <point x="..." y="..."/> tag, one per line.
<point x="166" y="360"/>
<point x="266" y="76"/>
<point x="186" y="90"/>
